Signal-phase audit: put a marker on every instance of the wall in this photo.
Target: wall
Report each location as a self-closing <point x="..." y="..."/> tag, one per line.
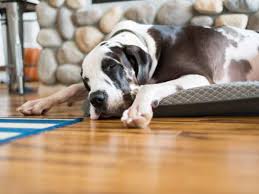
<point x="71" y="28"/>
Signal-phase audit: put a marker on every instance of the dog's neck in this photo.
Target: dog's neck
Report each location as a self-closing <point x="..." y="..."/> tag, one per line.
<point x="140" y="37"/>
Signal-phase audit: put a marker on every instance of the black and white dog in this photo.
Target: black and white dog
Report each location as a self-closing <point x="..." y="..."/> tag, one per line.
<point x="138" y="65"/>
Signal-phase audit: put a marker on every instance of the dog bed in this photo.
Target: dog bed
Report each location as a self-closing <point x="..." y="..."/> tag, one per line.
<point x="236" y="98"/>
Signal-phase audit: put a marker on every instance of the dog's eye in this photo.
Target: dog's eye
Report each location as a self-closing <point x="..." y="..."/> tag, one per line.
<point x="87" y="86"/>
<point x="85" y="81"/>
<point x="110" y="66"/>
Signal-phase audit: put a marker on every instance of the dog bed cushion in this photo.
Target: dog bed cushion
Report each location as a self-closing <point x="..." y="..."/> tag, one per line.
<point x="219" y="99"/>
<point x="236" y="98"/>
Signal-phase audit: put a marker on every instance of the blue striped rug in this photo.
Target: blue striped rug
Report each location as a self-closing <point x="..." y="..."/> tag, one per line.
<point x="14" y="128"/>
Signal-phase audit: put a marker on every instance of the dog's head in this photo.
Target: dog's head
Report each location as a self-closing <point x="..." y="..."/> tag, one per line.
<point x="112" y="73"/>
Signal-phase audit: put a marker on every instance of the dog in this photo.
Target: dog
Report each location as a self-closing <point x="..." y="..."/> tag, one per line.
<point x="138" y="65"/>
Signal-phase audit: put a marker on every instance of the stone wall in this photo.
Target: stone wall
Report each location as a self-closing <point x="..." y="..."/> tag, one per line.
<point x="71" y="28"/>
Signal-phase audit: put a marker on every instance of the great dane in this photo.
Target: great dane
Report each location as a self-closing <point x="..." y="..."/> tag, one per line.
<point x="138" y="65"/>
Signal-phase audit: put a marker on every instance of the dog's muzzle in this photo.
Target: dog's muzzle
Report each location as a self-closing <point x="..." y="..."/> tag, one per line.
<point x="99" y="100"/>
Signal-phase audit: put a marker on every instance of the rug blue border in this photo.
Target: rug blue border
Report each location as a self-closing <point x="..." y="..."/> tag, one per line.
<point x="30" y="132"/>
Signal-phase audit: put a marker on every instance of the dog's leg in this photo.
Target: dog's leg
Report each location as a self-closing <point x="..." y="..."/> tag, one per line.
<point x="148" y="96"/>
<point x="68" y="95"/>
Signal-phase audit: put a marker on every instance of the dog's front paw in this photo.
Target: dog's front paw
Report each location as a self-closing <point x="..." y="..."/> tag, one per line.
<point x="137" y="116"/>
<point x="36" y="107"/>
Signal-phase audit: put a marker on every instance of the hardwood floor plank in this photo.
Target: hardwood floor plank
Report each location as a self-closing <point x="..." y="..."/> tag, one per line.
<point x="205" y="155"/>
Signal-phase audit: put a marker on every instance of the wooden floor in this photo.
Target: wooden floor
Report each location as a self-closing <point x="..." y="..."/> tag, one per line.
<point x="175" y="156"/>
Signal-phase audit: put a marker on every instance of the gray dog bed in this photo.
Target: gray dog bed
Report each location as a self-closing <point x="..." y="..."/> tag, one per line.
<point x="237" y="98"/>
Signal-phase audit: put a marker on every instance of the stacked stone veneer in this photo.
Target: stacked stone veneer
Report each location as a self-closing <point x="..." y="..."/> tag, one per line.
<point x="71" y="28"/>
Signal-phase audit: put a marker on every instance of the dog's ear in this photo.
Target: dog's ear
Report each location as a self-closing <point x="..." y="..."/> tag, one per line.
<point x="140" y="62"/>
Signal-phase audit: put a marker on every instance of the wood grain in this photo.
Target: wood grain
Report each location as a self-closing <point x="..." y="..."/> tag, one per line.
<point x="205" y="155"/>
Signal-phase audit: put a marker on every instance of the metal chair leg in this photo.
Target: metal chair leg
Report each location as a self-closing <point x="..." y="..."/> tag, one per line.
<point x="15" y="32"/>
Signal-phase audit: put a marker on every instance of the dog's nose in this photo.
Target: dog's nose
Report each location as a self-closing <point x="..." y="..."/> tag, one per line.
<point x="98" y="99"/>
